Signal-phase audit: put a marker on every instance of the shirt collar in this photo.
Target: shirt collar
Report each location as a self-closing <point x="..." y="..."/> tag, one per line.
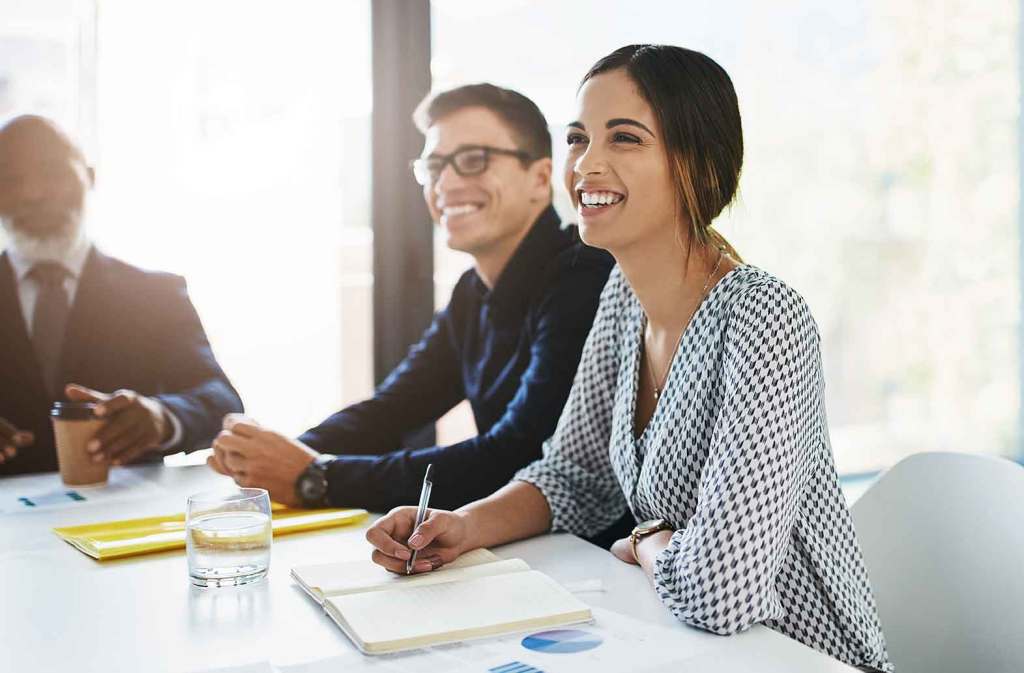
<point x="542" y="242"/>
<point x="73" y="261"/>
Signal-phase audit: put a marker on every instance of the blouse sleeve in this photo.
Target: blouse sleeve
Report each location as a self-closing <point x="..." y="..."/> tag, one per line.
<point x="575" y="473"/>
<point x="719" y="572"/>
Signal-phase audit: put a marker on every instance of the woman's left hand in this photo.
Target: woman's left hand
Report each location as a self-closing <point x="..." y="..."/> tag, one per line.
<point x="622" y="549"/>
<point x="649" y="547"/>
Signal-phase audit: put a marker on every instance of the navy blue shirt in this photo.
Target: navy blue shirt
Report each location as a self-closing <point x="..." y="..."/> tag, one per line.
<point x="512" y="351"/>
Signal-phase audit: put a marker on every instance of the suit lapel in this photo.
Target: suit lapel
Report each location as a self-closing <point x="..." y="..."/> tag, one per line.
<point x="14" y="332"/>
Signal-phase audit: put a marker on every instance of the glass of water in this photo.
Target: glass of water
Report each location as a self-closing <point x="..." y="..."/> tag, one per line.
<point x="227" y="535"/>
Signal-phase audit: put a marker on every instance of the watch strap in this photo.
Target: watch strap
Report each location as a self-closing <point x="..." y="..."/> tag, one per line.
<point x="316" y="470"/>
<point x="644" y="529"/>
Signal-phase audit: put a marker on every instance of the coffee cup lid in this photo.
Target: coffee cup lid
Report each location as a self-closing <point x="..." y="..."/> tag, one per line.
<point x="73" y="411"/>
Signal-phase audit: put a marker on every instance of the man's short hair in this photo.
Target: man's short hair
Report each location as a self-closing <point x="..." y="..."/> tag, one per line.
<point x="522" y="116"/>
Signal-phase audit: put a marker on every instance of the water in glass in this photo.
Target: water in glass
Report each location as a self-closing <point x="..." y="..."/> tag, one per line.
<point x="228" y="537"/>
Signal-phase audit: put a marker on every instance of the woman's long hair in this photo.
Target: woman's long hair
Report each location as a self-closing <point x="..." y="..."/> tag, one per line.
<point x="695" y="103"/>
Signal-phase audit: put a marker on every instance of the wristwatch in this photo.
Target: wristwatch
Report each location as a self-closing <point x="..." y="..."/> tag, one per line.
<point x="644" y="529"/>
<point x="311" y="486"/>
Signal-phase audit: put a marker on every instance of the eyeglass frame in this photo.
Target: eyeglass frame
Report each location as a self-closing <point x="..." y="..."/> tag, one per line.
<point x="447" y="159"/>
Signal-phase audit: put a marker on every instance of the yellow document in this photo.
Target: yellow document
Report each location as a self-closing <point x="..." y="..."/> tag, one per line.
<point x="132" y="537"/>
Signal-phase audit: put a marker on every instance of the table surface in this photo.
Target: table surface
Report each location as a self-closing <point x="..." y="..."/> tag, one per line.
<point x="61" y="610"/>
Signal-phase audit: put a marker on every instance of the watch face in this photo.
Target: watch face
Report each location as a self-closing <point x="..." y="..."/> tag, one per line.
<point x="312" y="487"/>
<point x="650" y="525"/>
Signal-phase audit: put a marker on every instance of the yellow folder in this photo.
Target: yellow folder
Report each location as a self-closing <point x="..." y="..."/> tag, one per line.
<point x="132" y="537"/>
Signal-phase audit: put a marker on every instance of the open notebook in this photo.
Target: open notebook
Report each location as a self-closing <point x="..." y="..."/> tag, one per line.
<point x="476" y="596"/>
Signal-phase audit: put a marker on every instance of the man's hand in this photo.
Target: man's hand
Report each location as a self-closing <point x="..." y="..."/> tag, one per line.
<point x="257" y="457"/>
<point x="12" y="439"/>
<point x="135" y="424"/>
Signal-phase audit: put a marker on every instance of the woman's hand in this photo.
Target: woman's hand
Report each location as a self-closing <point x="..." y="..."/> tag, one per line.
<point x="622" y="549"/>
<point x="648" y="548"/>
<point x="440" y="539"/>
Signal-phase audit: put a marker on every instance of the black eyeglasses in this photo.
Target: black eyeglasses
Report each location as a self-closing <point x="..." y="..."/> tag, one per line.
<point x="467" y="162"/>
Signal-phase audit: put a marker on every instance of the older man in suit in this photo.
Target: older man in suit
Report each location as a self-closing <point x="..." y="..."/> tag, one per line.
<point x="78" y="325"/>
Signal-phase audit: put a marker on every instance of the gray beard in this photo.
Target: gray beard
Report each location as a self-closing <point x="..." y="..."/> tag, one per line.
<point x="56" y="247"/>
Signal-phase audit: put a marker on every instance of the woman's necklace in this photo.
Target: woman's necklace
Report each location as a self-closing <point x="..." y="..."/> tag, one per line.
<point x="658" y="389"/>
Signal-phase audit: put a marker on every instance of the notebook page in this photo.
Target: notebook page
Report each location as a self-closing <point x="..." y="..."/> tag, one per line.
<point x="330" y="579"/>
<point x="417" y="616"/>
<point x="437" y="577"/>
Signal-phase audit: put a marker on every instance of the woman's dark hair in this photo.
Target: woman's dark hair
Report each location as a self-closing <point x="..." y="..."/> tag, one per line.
<point x="522" y="116"/>
<point x="695" y="104"/>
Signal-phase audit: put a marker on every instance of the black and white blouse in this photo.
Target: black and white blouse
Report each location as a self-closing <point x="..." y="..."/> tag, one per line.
<point x="736" y="456"/>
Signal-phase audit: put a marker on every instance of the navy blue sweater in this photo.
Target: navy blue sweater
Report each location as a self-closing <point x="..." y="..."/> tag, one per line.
<point x="512" y="351"/>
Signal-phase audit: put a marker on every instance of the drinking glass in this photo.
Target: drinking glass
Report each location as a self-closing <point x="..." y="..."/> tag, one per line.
<point x="227" y="536"/>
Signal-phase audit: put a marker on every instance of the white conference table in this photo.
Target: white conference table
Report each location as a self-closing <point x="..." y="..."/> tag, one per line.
<point x="62" y="611"/>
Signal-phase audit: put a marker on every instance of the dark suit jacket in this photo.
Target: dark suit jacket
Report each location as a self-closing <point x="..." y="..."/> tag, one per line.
<point x="128" y="328"/>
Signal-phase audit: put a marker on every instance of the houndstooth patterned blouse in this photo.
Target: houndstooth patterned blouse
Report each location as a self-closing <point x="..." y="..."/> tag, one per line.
<point x="736" y="456"/>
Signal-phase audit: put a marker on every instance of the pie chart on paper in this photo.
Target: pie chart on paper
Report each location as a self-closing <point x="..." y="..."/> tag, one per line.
<point x="561" y="641"/>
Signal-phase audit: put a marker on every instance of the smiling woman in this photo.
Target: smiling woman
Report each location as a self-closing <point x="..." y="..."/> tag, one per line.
<point x="724" y="458"/>
<point x="703" y="172"/>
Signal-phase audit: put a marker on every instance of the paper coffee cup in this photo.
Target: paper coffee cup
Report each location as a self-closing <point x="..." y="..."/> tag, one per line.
<point x="74" y="424"/>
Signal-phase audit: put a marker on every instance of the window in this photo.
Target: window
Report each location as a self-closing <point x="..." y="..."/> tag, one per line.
<point x="880" y="181"/>
<point x="233" y="147"/>
<point x="47" y="52"/>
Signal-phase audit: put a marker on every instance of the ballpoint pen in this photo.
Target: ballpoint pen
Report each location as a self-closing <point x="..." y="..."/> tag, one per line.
<point x="421" y="514"/>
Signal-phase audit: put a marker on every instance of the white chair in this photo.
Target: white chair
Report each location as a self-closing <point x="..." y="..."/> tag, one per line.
<point x="943" y="541"/>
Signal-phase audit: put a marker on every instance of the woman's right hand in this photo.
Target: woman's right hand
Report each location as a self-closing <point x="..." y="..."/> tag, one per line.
<point x="441" y="538"/>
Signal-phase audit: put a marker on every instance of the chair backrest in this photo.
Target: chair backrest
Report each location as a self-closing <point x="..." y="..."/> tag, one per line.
<point x="943" y="541"/>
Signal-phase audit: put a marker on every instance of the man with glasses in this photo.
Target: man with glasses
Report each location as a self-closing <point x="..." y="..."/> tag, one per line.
<point x="509" y="340"/>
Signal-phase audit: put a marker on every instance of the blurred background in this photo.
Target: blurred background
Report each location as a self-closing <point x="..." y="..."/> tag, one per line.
<point x="242" y="144"/>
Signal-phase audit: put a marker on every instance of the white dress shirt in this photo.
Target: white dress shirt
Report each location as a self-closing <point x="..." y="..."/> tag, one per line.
<point x="28" y="293"/>
<point x="28" y="288"/>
